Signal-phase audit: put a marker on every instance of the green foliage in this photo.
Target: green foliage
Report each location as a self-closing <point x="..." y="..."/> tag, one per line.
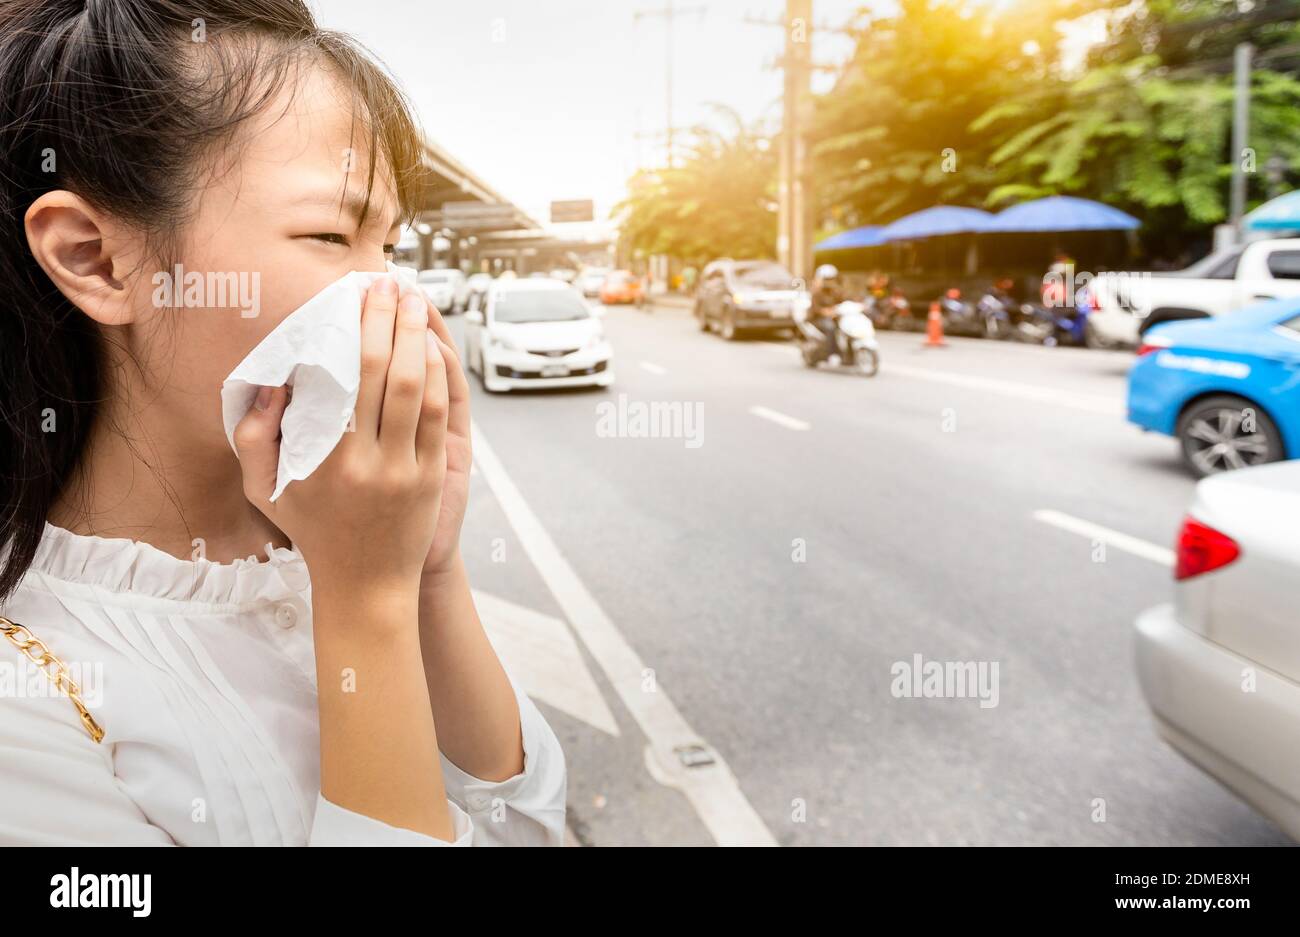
<point x="719" y="198"/>
<point x="969" y="103"/>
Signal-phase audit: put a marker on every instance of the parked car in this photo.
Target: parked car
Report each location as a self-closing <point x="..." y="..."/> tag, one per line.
<point x="1227" y="388"/>
<point x="590" y="280"/>
<point x="536" y="333"/>
<point x="1220" y="666"/>
<point x="621" y="286"/>
<point x="478" y="284"/>
<point x="1128" y="304"/>
<point x="447" y="288"/>
<point x="736" y="296"/>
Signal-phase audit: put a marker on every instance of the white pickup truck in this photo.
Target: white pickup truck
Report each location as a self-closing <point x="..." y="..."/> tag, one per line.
<point x="1127" y="304"/>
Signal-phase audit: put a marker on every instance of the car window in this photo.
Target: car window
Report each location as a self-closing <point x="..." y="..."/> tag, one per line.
<point x="763" y="276"/>
<point x="1226" y="269"/>
<point x="539" y="306"/>
<point x="1284" y="265"/>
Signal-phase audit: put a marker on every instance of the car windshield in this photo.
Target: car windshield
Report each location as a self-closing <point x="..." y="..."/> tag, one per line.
<point x="1221" y="265"/>
<point x="764" y="276"/>
<point x="540" y="306"/>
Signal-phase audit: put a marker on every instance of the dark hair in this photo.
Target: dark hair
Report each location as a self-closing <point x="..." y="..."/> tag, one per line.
<point x="127" y="98"/>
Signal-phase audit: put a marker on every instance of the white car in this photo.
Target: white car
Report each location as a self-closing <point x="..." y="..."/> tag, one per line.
<point x="1220" y="667"/>
<point x="447" y="288"/>
<point x="478" y="283"/>
<point x="1130" y="303"/>
<point x="536" y="333"/>
<point x="591" y="280"/>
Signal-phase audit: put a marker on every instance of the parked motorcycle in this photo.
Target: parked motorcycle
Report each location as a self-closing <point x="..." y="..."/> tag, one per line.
<point x="890" y="310"/>
<point x="960" y="316"/>
<point x="855" y="339"/>
<point x="1043" y="325"/>
<point x="999" y="310"/>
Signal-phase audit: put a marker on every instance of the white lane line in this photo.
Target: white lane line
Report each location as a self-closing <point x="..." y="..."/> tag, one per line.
<point x="781" y="419"/>
<point x="540" y="652"/>
<point x="653" y="368"/>
<point x="711" y="789"/>
<point x="1114" y="538"/>
<point x="1075" y="400"/>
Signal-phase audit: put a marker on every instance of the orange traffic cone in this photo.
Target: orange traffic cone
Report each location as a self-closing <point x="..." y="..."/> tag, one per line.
<point x="934" y="329"/>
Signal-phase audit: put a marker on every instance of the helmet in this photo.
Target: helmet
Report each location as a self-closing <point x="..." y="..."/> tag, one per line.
<point x="826" y="272"/>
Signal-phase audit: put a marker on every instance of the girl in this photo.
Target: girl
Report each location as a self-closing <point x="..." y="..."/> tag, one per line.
<point x="308" y="671"/>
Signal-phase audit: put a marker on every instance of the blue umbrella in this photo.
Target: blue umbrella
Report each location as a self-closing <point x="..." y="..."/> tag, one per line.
<point x="932" y="222"/>
<point x="1281" y="214"/>
<point x="1062" y="213"/>
<point x="866" y="236"/>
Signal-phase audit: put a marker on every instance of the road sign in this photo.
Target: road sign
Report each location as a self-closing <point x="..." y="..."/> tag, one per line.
<point x="574" y="210"/>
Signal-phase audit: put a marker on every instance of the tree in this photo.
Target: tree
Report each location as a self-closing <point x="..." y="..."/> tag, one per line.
<point x="719" y="200"/>
<point x="897" y="133"/>
<point x="1150" y="131"/>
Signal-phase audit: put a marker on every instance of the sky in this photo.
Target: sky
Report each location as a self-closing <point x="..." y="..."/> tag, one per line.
<point x="556" y="99"/>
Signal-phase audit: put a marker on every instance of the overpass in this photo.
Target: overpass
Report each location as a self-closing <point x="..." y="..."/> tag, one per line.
<point x="463" y="222"/>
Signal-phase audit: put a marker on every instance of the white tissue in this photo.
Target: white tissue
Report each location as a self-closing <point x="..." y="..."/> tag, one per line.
<point x="316" y="350"/>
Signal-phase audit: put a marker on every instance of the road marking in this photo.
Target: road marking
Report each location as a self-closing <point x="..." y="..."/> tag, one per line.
<point x="653" y="368"/>
<point x="711" y="789"/>
<point x="1120" y="541"/>
<point x="1075" y="400"/>
<point x="540" y="652"/>
<point x="781" y="419"/>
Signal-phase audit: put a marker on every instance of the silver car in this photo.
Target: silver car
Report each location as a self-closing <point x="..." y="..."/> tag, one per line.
<point x="1220" y="666"/>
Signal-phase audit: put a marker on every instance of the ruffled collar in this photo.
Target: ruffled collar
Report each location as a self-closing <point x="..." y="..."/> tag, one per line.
<point x="119" y="565"/>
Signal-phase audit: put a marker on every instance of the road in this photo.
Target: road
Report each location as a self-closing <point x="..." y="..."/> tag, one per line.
<point x="757" y="582"/>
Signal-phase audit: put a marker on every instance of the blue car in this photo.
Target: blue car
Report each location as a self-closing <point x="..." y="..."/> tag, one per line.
<point x="1228" y="388"/>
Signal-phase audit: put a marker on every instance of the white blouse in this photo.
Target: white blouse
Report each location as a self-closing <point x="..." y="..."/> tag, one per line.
<point x="203" y="677"/>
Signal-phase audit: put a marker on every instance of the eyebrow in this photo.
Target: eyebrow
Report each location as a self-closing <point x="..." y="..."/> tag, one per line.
<point x="352" y="204"/>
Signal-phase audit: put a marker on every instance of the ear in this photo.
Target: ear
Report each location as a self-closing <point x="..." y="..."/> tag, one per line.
<point x="87" y="255"/>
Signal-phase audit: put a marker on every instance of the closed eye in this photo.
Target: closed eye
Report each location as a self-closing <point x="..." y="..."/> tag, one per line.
<point x="330" y="238"/>
<point x="335" y="238"/>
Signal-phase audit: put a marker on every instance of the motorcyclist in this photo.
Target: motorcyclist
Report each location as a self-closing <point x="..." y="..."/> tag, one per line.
<point x="827" y="294"/>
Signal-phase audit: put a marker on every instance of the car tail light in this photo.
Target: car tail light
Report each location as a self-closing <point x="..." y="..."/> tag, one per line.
<point x="1153" y="343"/>
<point x="1202" y="549"/>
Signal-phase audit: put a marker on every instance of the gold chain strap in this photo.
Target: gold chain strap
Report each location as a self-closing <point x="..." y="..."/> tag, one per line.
<point x="57" y="673"/>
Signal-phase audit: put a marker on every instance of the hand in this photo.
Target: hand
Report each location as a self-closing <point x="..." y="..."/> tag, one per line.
<point x="366" y="518"/>
<point x="455" y="490"/>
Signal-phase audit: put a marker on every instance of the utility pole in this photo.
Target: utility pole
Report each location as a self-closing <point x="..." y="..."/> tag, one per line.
<point x="670" y="14"/>
<point x="1240" y="133"/>
<point x="794" y="218"/>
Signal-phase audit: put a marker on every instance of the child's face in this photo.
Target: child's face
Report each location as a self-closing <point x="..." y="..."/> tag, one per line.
<point x="269" y="221"/>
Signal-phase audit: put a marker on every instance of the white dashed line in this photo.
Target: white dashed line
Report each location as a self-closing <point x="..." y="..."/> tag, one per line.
<point x="780" y="419"/>
<point x="711" y="788"/>
<point x="1120" y="541"/>
<point x="653" y="368"/>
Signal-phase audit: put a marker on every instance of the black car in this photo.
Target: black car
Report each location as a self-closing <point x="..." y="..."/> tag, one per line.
<point x="736" y="296"/>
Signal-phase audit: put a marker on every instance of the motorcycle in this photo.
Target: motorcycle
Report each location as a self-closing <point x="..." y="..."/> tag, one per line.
<point x="890" y="310"/>
<point x="855" y="339"/>
<point x="998" y="310"/>
<point x="960" y="316"/>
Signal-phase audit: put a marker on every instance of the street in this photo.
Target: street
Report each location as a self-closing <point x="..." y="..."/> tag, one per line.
<point x="756" y="583"/>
